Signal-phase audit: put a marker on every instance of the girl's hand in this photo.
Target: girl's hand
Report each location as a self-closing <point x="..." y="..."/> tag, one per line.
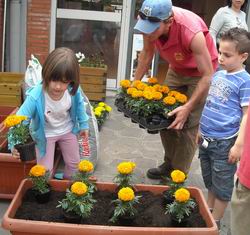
<point x="15" y="153"/>
<point x="84" y="133"/>
<point x="235" y="154"/>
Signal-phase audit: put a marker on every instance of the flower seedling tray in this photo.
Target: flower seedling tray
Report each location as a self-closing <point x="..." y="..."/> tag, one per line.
<point x="153" y="124"/>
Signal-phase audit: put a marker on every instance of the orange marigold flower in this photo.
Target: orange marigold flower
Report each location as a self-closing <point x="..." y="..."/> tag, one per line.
<point x="157" y="95"/>
<point x="137" y="94"/>
<point x="178" y="176"/>
<point x="181" y="98"/>
<point x="131" y="90"/>
<point x="141" y="86"/>
<point x="148" y="95"/>
<point x="152" y="80"/>
<point x="182" y="195"/>
<point x="125" y="83"/>
<point x="164" y="89"/>
<point x="157" y="87"/>
<point x="173" y="93"/>
<point x="37" y="171"/>
<point x="169" y="100"/>
<point x="135" y="83"/>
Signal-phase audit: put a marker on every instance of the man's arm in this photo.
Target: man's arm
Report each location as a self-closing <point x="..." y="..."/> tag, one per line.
<point x="145" y="58"/>
<point x="204" y="65"/>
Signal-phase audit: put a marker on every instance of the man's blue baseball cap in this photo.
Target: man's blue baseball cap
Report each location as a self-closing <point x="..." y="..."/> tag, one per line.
<point x="151" y="10"/>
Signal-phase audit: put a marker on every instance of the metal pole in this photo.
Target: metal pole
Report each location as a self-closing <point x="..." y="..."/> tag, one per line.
<point x="4" y="26"/>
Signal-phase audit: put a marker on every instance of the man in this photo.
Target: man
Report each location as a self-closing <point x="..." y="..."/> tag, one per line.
<point x="182" y="39"/>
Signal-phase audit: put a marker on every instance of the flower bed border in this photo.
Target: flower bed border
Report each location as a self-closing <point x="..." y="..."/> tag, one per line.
<point x="28" y="227"/>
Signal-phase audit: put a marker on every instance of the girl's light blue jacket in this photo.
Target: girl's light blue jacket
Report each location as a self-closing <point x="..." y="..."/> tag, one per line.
<point x="34" y="107"/>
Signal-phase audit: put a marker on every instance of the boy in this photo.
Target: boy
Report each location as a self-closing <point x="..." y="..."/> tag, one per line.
<point x="226" y="105"/>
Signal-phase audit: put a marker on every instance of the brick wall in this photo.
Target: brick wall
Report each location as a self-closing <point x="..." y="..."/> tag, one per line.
<point x="38" y="29"/>
<point x="1" y="29"/>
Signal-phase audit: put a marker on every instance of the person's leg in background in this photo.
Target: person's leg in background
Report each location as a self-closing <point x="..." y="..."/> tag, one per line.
<point x="240" y="212"/>
<point x="70" y="150"/>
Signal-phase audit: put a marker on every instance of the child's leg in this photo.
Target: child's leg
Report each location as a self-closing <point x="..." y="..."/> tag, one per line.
<point x="222" y="176"/>
<point x="219" y="208"/>
<point x="70" y="150"/>
<point x="48" y="160"/>
<point x="210" y="200"/>
<point x="206" y="170"/>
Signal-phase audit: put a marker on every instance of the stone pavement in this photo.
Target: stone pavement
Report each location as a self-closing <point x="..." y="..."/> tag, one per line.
<point x="122" y="140"/>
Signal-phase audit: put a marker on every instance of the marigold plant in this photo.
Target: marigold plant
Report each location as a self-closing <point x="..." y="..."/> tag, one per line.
<point x="125" y="174"/>
<point x="182" y="206"/>
<point x="18" y="132"/>
<point x="101" y="111"/>
<point x="176" y="181"/>
<point x="78" y="200"/>
<point x="39" y="177"/>
<point x="125" y="204"/>
<point x="85" y="169"/>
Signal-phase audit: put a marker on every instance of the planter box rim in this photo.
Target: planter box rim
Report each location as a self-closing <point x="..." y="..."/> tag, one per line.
<point x="25" y="226"/>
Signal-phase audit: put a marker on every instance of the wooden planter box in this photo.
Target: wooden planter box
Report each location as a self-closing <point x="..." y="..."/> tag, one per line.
<point x="11" y="89"/>
<point x="93" y="82"/>
<point x="28" y="227"/>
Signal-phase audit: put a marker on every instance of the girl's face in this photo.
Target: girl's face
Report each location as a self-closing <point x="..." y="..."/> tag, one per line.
<point x="56" y="89"/>
<point x="229" y="58"/>
<point x="237" y="3"/>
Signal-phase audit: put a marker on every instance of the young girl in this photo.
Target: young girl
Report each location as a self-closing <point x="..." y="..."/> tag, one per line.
<point x="57" y="111"/>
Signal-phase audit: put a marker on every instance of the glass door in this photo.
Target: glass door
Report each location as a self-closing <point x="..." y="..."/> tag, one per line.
<point x="95" y="28"/>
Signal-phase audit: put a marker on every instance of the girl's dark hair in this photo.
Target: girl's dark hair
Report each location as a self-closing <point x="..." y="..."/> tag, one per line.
<point x="240" y="37"/>
<point x="61" y="65"/>
<point x="243" y="7"/>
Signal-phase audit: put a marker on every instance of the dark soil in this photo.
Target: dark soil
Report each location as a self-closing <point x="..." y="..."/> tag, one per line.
<point x="150" y="210"/>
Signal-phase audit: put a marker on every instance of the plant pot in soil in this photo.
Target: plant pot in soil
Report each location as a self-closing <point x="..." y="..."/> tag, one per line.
<point x="168" y="198"/>
<point x="51" y="219"/>
<point x="41" y="197"/>
<point x="27" y="151"/>
<point x="71" y="217"/>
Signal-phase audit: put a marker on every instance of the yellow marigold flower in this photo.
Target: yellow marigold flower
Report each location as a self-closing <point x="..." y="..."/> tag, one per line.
<point x="101" y="104"/>
<point x="137" y="94"/>
<point x="108" y="108"/>
<point x="85" y="166"/>
<point x="99" y="109"/>
<point x="173" y="93"/>
<point x="125" y="83"/>
<point x="152" y="80"/>
<point x="157" y="95"/>
<point x="181" y="98"/>
<point x="37" y="170"/>
<point x="131" y="90"/>
<point x="97" y="113"/>
<point x="136" y="83"/>
<point x="126" y="167"/>
<point x="148" y="95"/>
<point x="169" y="100"/>
<point x="150" y="89"/>
<point x="182" y="195"/>
<point x="178" y="176"/>
<point x="157" y="87"/>
<point x="141" y="86"/>
<point x="126" y="194"/>
<point x="163" y="89"/>
<point x="13" y="120"/>
<point x="79" y="188"/>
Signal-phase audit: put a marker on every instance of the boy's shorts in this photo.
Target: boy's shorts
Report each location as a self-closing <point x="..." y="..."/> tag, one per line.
<point x="217" y="173"/>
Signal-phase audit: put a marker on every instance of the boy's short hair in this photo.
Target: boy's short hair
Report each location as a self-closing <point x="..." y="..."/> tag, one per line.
<point x="61" y="65"/>
<point x="240" y="37"/>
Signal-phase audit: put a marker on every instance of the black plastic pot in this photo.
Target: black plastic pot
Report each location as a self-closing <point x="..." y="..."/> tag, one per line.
<point x="41" y="197"/>
<point x="27" y="151"/>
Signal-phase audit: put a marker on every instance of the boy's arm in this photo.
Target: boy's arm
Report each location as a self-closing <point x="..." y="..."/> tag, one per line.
<point x="236" y="151"/>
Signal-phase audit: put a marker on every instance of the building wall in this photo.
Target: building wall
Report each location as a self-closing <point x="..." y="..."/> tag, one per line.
<point x="38" y="29"/>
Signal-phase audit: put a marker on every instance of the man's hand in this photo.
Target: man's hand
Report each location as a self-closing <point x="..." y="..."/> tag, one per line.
<point x="181" y="114"/>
